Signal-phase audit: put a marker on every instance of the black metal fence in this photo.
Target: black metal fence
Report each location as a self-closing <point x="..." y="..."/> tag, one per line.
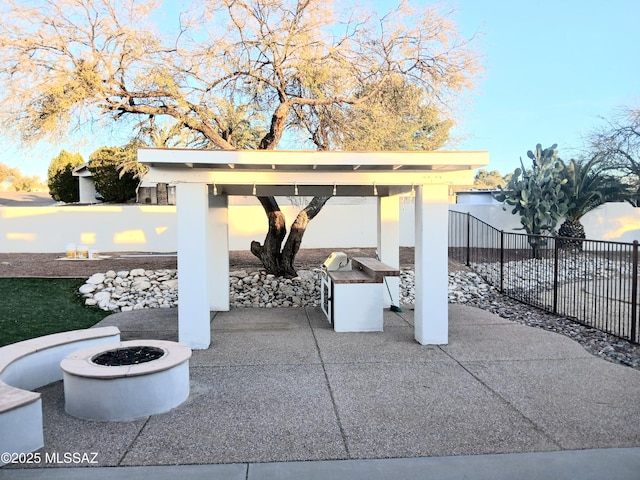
<point x="592" y="282"/>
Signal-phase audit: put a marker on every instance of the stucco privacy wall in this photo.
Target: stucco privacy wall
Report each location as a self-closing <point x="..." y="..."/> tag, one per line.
<point x="615" y="221"/>
<point x="344" y="222"/>
<point x="103" y="227"/>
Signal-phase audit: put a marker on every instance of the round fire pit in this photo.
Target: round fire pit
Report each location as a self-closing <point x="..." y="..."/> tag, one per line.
<point x="126" y="380"/>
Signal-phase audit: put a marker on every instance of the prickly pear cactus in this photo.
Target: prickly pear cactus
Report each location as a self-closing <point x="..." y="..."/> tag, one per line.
<point x="537" y="195"/>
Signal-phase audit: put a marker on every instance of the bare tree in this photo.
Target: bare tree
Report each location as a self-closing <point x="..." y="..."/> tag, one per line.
<point x="296" y="65"/>
<point x="618" y="141"/>
<point x="616" y="145"/>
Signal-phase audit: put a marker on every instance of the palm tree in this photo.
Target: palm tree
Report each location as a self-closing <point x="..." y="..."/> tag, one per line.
<point x="589" y="185"/>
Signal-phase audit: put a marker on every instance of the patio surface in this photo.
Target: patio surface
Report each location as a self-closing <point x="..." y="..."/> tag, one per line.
<point x="279" y="394"/>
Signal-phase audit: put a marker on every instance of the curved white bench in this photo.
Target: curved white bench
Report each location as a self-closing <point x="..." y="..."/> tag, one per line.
<point x="31" y="364"/>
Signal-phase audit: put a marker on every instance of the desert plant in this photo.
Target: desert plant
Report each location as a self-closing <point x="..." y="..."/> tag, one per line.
<point x="589" y="185"/>
<point x="537" y="195"/>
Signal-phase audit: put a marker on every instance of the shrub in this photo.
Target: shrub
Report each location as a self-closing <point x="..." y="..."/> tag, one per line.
<point x="63" y="186"/>
<point x="105" y="165"/>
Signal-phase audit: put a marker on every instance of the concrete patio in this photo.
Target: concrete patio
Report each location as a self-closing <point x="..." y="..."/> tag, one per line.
<point x="279" y="385"/>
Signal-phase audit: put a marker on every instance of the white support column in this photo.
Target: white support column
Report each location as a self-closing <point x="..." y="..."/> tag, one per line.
<point x="431" y="265"/>
<point x="194" y="317"/>
<point x="218" y="252"/>
<point x="389" y="244"/>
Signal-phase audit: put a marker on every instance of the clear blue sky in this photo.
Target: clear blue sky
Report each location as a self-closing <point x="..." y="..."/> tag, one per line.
<point x="552" y="69"/>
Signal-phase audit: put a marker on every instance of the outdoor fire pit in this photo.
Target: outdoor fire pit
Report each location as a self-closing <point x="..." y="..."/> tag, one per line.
<point x="126" y="380"/>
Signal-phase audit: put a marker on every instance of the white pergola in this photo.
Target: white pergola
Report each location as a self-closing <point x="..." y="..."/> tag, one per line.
<point x="204" y="179"/>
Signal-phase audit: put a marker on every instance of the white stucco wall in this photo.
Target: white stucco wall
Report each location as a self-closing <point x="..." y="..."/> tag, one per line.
<point x="614" y="222"/>
<point x="108" y="228"/>
<point x="345" y="222"/>
<point x="494" y="215"/>
<point x="87" y="189"/>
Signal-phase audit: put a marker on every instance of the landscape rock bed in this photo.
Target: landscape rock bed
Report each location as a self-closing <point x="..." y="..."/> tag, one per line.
<point x="259" y="289"/>
<point x="527" y="273"/>
<point x="137" y="289"/>
<point x="131" y="290"/>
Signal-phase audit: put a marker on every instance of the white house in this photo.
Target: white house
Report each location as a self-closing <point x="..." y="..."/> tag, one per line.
<point x="86" y="184"/>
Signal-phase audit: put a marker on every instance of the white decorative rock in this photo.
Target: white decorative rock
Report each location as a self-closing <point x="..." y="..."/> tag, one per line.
<point x="102" y="296"/>
<point x="96" y="278"/>
<point x="141" y="285"/>
<point x="238" y="273"/>
<point x="87" y="288"/>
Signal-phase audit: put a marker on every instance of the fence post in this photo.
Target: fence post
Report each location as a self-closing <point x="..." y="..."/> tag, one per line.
<point x="501" y="261"/>
<point x="555" y="275"/>
<point x="468" y="237"/>
<point x="634" y="294"/>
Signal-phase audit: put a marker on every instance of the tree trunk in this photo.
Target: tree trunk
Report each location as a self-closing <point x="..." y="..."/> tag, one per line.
<point x="269" y="253"/>
<point x="298" y="227"/>
<point x="279" y="261"/>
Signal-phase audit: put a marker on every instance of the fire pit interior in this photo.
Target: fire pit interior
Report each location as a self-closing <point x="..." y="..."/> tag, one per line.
<point x="128" y="356"/>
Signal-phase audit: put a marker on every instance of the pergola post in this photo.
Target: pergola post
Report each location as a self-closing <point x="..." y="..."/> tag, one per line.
<point x="218" y="249"/>
<point x="431" y="314"/>
<point x="389" y="244"/>
<point x="193" y="290"/>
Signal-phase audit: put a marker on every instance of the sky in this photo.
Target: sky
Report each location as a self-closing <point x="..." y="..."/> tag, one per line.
<point x="552" y="70"/>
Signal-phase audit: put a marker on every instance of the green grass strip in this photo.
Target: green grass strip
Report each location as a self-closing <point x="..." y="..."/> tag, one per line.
<point x="32" y="307"/>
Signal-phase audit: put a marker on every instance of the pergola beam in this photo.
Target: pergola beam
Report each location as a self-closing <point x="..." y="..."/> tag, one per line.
<point x="159" y="174"/>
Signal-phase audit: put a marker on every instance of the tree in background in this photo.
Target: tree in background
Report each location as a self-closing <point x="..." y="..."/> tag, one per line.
<point x="107" y="166"/>
<point x="489" y="180"/>
<point x="23" y="183"/>
<point x="301" y="66"/>
<point x="63" y="186"/>
<point x="6" y="173"/>
<point x="617" y="145"/>
<point x="12" y="180"/>
<point x="537" y="195"/>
